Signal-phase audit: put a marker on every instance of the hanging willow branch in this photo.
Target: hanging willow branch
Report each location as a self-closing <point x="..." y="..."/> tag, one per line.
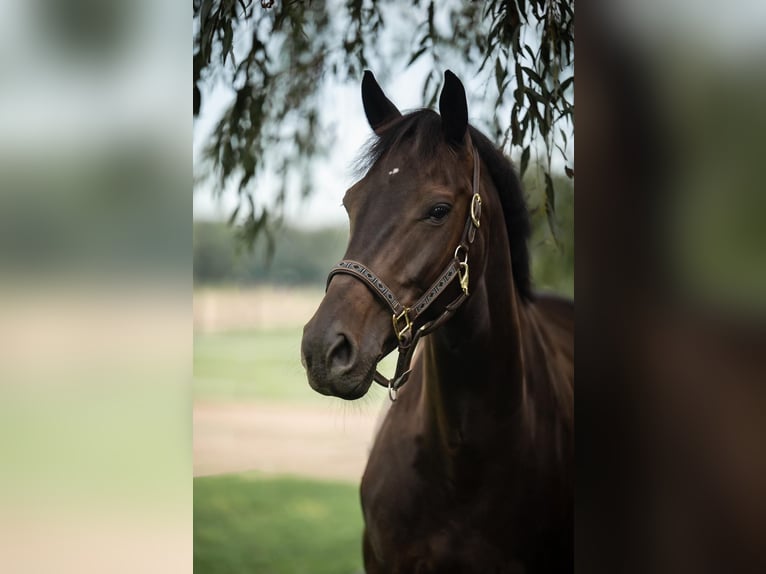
<point x="275" y="56"/>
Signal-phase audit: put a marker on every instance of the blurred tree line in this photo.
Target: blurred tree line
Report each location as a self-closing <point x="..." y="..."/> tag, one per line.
<point x="552" y="257"/>
<point x="304" y="257"/>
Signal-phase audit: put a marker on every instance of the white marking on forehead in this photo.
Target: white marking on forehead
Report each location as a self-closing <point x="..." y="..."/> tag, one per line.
<point x="394" y="171"/>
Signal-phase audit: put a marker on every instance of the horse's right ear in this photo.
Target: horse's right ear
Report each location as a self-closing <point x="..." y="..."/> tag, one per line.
<point x="377" y="107"/>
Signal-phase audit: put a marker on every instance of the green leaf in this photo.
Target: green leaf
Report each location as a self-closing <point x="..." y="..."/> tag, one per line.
<point x="550" y="206"/>
<point x="524" y="161"/>
<point x="204" y="14"/>
<point x="233" y="216"/>
<point x="550" y="194"/>
<point x="518" y="95"/>
<point x="545" y="124"/>
<point x="424" y="39"/>
<point x="525" y="122"/>
<point x="228" y="37"/>
<point x="515" y="128"/>
<point x="416" y="55"/>
<point x="499" y="75"/>
<point x="533" y="95"/>
<point x="427" y="83"/>
<point x="523" y="9"/>
<point x="534" y="75"/>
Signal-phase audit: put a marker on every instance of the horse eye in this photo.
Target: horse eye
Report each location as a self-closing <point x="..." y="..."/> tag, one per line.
<point x="439" y="212"/>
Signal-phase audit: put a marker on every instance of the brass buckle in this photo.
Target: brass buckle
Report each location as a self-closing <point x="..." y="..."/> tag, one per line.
<point x="476" y="209"/>
<point x="400" y="332"/>
<point x="462" y="270"/>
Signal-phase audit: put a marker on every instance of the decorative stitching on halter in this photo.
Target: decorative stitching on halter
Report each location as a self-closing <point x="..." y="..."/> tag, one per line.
<point x="354" y="268"/>
<point x="435" y="290"/>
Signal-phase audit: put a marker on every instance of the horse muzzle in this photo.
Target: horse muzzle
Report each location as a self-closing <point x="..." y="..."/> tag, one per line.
<point x="340" y="356"/>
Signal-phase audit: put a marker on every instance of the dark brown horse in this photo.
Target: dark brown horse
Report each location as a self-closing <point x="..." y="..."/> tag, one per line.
<point x="472" y="468"/>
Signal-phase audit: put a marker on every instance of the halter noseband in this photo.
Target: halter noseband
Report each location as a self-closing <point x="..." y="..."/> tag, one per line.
<point x="405" y="319"/>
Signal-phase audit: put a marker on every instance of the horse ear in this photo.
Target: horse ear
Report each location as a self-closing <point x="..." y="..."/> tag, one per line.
<point x="453" y="109"/>
<point x="377" y="107"/>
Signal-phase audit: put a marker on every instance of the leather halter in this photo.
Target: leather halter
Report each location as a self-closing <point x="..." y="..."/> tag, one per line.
<point x="408" y="320"/>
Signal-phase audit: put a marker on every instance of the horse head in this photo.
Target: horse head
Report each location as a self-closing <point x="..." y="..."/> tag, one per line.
<point x="408" y="216"/>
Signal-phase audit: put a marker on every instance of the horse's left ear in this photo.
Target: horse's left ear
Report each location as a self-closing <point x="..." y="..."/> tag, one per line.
<point x="453" y="109"/>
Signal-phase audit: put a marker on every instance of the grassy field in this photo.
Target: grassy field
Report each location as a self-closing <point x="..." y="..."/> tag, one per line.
<point x="250" y="365"/>
<point x="261" y="364"/>
<point x="251" y="524"/>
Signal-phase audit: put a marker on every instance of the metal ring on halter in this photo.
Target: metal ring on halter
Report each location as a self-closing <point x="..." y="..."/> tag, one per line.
<point x="462" y="270"/>
<point x="392" y="392"/>
<point x="457" y="253"/>
<point x="476" y="209"/>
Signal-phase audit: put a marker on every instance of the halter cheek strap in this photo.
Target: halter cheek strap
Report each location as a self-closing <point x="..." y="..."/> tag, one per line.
<point x="409" y="322"/>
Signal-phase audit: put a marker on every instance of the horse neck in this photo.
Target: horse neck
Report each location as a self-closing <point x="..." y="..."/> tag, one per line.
<point x="473" y="367"/>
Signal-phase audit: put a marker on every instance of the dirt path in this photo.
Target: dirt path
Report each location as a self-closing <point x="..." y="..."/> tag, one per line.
<point x="275" y="438"/>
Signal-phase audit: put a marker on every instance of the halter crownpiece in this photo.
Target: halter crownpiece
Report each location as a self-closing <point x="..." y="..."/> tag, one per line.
<point x="406" y="319"/>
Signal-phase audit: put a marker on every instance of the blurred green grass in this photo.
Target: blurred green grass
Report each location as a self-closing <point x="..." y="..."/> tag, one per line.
<point x="247" y="365"/>
<point x="262" y="364"/>
<point x="249" y="523"/>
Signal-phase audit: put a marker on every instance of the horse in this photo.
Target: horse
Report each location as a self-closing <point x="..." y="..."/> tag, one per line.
<point x="472" y="467"/>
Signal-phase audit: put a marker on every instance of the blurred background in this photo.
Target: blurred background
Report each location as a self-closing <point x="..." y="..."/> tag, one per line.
<point x="95" y="287"/>
<point x="96" y="252"/>
<point x="671" y="337"/>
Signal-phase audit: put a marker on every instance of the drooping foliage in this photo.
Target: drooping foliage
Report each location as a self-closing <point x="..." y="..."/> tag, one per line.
<point x="276" y="57"/>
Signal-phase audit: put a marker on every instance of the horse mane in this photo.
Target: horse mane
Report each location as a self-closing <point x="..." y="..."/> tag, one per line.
<point x="424" y="128"/>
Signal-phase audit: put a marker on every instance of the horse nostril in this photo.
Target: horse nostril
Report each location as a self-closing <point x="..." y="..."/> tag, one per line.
<point x="341" y="355"/>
